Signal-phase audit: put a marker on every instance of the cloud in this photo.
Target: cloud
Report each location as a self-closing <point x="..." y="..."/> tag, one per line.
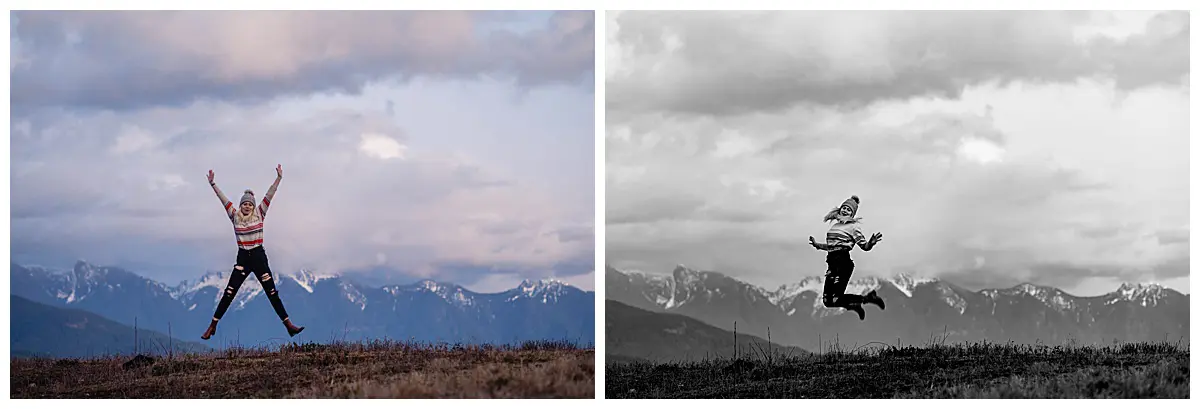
<point x="129" y="187"/>
<point x="1004" y="184"/>
<point x="381" y="146"/>
<point x="133" y="139"/>
<point x="1174" y="236"/>
<point x="131" y="60"/>
<point x="729" y="63"/>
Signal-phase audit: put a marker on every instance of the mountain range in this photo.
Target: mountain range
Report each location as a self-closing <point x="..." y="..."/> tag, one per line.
<point x="632" y="334"/>
<point x="918" y="310"/>
<point x="42" y="330"/>
<point x="330" y="306"/>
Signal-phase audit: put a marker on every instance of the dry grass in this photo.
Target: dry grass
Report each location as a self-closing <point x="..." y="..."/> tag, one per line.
<point x="978" y="370"/>
<point x="351" y="370"/>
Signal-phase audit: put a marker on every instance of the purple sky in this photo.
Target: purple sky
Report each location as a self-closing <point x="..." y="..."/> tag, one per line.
<point x="448" y="145"/>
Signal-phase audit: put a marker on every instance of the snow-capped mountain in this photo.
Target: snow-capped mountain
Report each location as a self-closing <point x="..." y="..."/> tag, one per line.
<point x="186" y="288"/>
<point x="1146" y="295"/>
<point x="111" y="292"/>
<point x="907" y="284"/>
<point x="450" y="293"/>
<point x="329" y="304"/>
<point x="308" y="279"/>
<point x="1049" y="296"/>
<point x="916" y="308"/>
<point x="544" y="291"/>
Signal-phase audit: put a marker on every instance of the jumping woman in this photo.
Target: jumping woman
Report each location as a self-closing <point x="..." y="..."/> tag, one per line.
<point x="842" y="237"/>
<point x="248" y="227"/>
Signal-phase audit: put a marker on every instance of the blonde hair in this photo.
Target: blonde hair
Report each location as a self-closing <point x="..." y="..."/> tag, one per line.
<point x="836" y="215"/>
<point x="247" y="219"/>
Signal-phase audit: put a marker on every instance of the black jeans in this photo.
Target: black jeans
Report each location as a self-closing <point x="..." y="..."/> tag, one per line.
<point x="253" y="260"/>
<point x="836" y="279"/>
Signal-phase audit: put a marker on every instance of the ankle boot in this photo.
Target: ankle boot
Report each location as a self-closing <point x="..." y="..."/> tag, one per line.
<point x="292" y="329"/>
<point x="212" y="330"/>
<point x="873" y="298"/>
<point x="858" y="309"/>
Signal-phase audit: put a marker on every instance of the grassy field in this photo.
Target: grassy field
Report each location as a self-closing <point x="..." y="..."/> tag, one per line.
<point x="345" y="370"/>
<point x="979" y="370"/>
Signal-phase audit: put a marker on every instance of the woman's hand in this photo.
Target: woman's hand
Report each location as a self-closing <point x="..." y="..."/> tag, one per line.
<point x="877" y="237"/>
<point x="813" y="242"/>
<point x="210" y="176"/>
<point x="279" y="171"/>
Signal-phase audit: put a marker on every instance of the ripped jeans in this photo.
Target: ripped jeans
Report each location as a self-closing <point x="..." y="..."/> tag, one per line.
<point x="253" y="260"/>
<point x="836" y="280"/>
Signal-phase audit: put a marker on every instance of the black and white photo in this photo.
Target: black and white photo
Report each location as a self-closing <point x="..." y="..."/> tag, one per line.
<point x="814" y="204"/>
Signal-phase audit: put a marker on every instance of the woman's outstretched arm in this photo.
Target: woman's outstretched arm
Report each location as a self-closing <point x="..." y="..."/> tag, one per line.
<point x="224" y="200"/>
<point x="266" y="202"/>
<point x="867" y="245"/>
<point x="818" y="246"/>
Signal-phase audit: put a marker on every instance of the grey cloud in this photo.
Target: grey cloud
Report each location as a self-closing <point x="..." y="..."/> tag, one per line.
<point x="652" y="207"/>
<point x="576" y="233"/>
<point x="558" y="54"/>
<point x="503" y="228"/>
<point x="1166" y="43"/>
<point x="1174" y="268"/>
<point x="1177" y="236"/>
<point x="722" y="63"/>
<point x="127" y="60"/>
<point x="732" y="214"/>
<point x="1065" y="275"/>
<point x="1102" y="232"/>
<point x="914" y="189"/>
<point x="1058" y="275"/>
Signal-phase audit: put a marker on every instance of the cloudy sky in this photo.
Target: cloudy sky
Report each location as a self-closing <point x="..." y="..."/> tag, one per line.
<point x="450" y="145"/>
<point x="990" y="148"/>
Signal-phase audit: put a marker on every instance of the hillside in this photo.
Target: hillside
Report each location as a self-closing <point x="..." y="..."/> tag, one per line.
<point x="633" y="334"/>
<point x="41" y="330"/>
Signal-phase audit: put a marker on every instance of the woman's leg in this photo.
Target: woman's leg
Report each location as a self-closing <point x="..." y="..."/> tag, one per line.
<point x="834" y="292"/>
<point x="236" y="278"/>
<point x="262" y="269"/>
<point x="835" y="287"/>
<point x="836" y="280"/>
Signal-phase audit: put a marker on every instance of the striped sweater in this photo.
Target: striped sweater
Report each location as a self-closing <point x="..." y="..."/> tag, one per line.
<point x="249" y="232"/>
<point x="843" y="236"/>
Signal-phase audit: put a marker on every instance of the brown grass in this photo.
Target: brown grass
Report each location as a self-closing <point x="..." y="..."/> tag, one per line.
<point x="969" y="370"/>
<point x="372" y="370"/>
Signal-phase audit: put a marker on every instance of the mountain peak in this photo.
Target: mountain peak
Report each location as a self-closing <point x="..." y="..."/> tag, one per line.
<point x="1139" y="287"/>
<point x="1031" y="289"/>
<point x="211" y="278"/>
<point x="548" y="290"/>
<point x="685" y="275"/>
<point x="528" y="285"/>
<point x="1146" y="294"/>
<point x="85" y="269"/>
<point x="308" y="278"/>
<point x="907" y="283"/>
<point x="437" y="287"/>
<point x="790" y="291"/>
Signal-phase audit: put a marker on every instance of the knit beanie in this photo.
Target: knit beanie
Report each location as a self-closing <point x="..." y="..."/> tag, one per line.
<point x="247" y="197"/>
<point x="853" y="203"/>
